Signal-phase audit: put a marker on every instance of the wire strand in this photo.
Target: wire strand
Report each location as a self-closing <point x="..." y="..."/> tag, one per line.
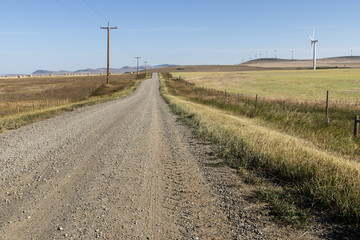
<point x="75" y="12"/>
<point x="95" y="11"/>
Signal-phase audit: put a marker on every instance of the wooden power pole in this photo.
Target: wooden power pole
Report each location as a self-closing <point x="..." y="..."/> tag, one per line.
<point x="137" y="58"/>
<point x="145" y="65"/>
<point x="108" y="49"/>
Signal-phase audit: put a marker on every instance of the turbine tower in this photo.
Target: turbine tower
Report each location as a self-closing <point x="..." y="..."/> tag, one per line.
<point x="313" y="44"/>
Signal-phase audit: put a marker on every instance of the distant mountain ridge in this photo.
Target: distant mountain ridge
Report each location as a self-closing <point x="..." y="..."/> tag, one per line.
<point x="91" y="70"/>
<point x="98" y="70"/>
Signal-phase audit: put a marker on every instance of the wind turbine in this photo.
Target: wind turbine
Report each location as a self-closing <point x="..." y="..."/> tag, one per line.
<point x="313" y="44"/>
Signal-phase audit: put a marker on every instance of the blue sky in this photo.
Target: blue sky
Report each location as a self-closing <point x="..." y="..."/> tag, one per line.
<point x="66" y="35"/>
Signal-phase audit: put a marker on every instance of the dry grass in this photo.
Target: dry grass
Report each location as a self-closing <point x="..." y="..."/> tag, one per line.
<point x="336" y="62"/>
<point x="89" y="93"/>
<point x="306" y="121"/>
<point x="332" y="182"/>
<point x="302" y="86"/>
<point x="27" y="94"/>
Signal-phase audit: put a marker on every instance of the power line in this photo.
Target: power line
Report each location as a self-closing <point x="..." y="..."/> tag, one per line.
<point x="96" y="11"/>
<point x="126" y="48"/>
<point x="75" y="12"/>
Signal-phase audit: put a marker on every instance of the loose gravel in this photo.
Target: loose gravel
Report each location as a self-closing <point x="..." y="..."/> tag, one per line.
<point x="125" y="169"/>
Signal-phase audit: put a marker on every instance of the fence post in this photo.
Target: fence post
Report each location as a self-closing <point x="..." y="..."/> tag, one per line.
<point x="356" y="129"/>
<point x="256" y="101"/>
<point x="238" y="97"/>
<point x="327" y="107"/>
<point x="284" y="106"/>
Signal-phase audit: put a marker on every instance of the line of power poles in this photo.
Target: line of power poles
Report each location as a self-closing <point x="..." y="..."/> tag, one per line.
<point x="108" y="28"/>
<point x="137" y="68"/>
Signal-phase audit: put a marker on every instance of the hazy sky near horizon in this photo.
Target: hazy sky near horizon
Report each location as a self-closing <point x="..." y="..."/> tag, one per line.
<point x="66" y="35"/>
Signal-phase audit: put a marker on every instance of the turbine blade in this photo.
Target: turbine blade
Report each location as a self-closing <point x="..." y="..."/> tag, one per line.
<point x="314" y="33"/>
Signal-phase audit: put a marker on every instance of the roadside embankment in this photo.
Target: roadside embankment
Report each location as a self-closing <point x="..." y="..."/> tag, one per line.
<point x="331" y="182"/>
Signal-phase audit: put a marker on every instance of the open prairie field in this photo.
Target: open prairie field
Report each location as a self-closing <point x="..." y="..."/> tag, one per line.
<point x="314" y="156"/>
<point x="266" y="64"/>
<point x="298" y="85"/>
<point x="29" y="93"/>
<point x="334" y="62"/>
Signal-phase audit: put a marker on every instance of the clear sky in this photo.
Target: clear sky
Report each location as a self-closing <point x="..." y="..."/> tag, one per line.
<point x="66" y="35"/>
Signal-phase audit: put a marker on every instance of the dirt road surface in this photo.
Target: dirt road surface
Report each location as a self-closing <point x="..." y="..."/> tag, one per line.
<point x="118" y="170"/>
<point x="125" y="169"/>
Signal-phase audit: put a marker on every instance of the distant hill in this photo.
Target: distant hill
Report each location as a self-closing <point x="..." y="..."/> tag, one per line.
<point x="124" y="69"/>
<point x="278" y="63"/>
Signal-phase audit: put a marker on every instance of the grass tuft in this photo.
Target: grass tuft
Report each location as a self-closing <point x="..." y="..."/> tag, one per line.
<point x="285" y="208"/>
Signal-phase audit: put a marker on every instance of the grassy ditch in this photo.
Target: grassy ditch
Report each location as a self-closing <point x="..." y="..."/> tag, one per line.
<point x="303" y="120"/>
<point x="117" y="89"/>
<point x="330" y="181"/>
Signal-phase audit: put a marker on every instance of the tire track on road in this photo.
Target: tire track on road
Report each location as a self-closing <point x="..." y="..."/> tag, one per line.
<point x="117" y="170"/>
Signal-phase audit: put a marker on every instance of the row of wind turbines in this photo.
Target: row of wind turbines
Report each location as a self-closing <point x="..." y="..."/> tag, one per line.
<point x="313" y="45"/>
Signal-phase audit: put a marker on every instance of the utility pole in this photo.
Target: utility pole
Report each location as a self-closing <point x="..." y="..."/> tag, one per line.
<point x="108" y="49"/>
<point x="292" y="55"/>
<point x="145" y="65"/>
<point x="137" y="58"/>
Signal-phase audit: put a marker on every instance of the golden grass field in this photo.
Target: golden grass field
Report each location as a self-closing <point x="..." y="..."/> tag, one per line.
<point x="295" y="85"/>
<point x="297" y="146"/>
<point x="27" y="100"/>
<point x="29" y="93"/>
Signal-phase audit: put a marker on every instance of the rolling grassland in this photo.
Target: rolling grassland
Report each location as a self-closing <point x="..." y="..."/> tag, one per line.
<point x="316" y="160"/>
<point x="27" y="100"/>
<point x="296" y="105"/>
<point x="305" y="86"/>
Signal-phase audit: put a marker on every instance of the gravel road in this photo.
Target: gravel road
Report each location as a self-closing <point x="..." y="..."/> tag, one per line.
<point x="118" y="170"/>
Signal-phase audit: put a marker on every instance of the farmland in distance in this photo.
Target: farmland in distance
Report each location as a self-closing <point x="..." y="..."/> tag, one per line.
<point x="295" y="85"/>
<point x="18" y="95"/>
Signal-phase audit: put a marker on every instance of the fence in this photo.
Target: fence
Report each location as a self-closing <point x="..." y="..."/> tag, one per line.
<point x="227" y="99"/>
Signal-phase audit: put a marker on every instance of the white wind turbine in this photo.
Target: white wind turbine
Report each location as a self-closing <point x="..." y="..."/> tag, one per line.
<point x="313" y="44"/>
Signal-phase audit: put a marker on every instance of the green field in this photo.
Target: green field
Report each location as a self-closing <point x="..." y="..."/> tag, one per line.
<point x="298" y="85"/>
